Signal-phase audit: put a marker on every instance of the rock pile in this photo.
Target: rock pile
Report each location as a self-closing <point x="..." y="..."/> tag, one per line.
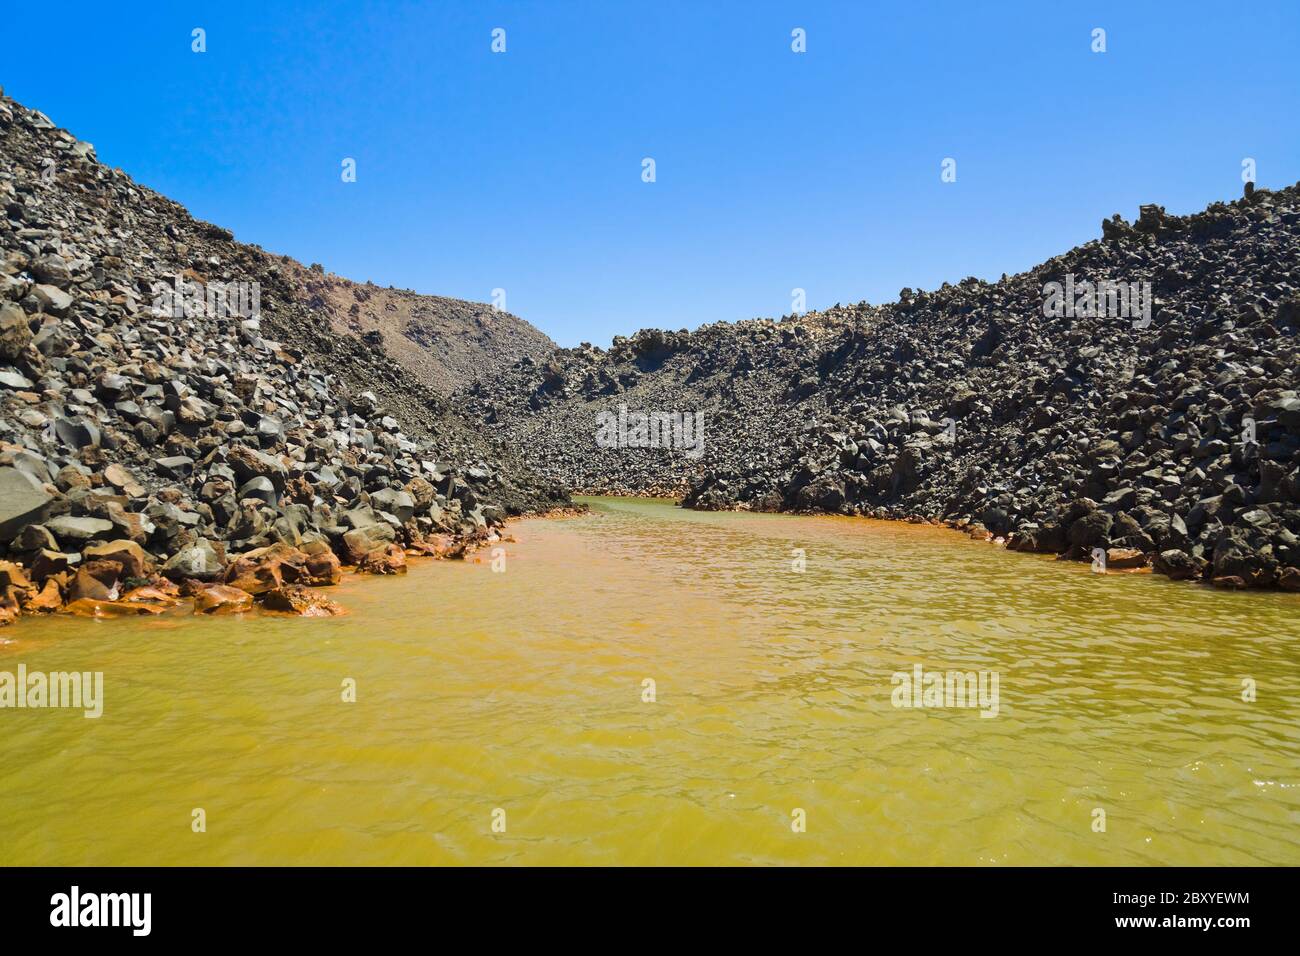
<point x="150" y="454"/>
<point x="1168" y="439"/>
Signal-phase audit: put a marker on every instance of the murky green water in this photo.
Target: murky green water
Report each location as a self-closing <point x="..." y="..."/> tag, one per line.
<point x="523" y="691"/>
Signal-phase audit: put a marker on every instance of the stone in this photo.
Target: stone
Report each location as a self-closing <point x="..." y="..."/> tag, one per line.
<point x="91" y="607"/>
<point x="77" y="432"/>
<point x="133" y="559"/>
<point x="198" y="561"/>
<point x="175" y="466"/>
<point x="15" y="333"/>
<point x="22" y="502"/>
<point x="300" y="600"/>
<point x="221" y="599"/>
<point x="261" y="488"/>
<point x="150" y="594"/>
<point x="51" y="299"/>
<point x="1124" y="559"/>
<point x="397" y="503"/>
<point x="48" y="599"/>
<point x="89" y="583"/>
<point x="76" y="531"/>
<point x="122" y="479"/>
<point x="266" y="569"/>
<point x="1177" y="564"/>
<point x="390" y="559"/>
<point x="360" y="542"/>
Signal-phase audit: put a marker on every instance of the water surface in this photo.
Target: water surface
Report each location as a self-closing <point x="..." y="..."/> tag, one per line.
<point x="524" y="691"/>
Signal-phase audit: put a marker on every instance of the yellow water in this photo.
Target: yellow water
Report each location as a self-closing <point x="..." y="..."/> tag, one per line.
<point x="522" y="691"/>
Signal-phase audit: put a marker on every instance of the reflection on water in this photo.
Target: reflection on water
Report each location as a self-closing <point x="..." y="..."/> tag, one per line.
<point x="524" y="691"/>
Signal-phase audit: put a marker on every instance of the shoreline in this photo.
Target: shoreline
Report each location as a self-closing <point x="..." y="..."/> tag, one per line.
<point x="285" y="581"/>
<point x="277" y="579"/>
<point x="1117" y="560"/>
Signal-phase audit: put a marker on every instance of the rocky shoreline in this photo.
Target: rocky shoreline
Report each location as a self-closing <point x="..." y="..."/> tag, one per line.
<point x="229" y="456"/>
<point x="184" y="417"/>
<point x="1168" y="438"/>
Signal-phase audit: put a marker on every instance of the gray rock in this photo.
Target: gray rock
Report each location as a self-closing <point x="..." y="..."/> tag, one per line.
<point x="71" y="530"/>
<point x="22" y="502"/>
<point x="397" y="503"/>
<point x="176" y="466"/>
<point x="198" y="561"/>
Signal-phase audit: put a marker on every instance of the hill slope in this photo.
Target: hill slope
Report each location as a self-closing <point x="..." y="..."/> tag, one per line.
<point x="446" y="343"/>
<point x="165" y="386"/>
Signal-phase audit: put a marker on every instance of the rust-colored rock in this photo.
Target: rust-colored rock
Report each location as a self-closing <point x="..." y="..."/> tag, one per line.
<point x="442" y="546"/>
<point x="89" y="607"/>
<point x="165" y="585"/>
<point x="323" y="569"/>
<point x="150" y="595"/>
<point x="300" y="600"/>
<point x="359" y="542"/>
<point x="119" y="477"/>
<point x="390" y="559"/>
<point x="49" y="598"/>
<point x="221" y="599"/>
<point x="46" y="564"/>
<point x="95" y="580"/>
<point x="1288" y="579"/>
<point x="1125" y="559"/>
<point x="135" y="526"/>
<point x="133" y="559"/>
<point x="266" y="569"/>
<point x="13" y="576"/>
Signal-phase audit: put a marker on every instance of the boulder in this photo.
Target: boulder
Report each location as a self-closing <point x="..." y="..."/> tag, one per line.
<point x="397" y="503"/>
<point x="221" y="599"/>
<point x="198" y="561"/>
<point x="1177" y="564"/>
<point x="49" y="598"/>
<point x="265" y="569"/>
<point x="90" y="607"/>
<point x="390" y="559"/>
<point x="1124" y="559"/>
<point x="133" y="559"/>
<point x="22" y="502"/>
<point x="300" y="600"/>
<point x="359" y="542"/>
<point x="76" y="531"/>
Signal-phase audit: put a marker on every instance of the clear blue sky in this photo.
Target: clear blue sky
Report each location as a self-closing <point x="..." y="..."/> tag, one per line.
<point x="775" y="170"/>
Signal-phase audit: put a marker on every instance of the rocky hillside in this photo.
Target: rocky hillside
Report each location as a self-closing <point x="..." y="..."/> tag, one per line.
<point x="1169" y="436"/>
<point x="169" y="402"/>
<point x="445" y="343"/>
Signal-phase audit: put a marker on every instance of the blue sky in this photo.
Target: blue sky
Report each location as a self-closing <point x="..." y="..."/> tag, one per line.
<point x="775" y="170"/>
